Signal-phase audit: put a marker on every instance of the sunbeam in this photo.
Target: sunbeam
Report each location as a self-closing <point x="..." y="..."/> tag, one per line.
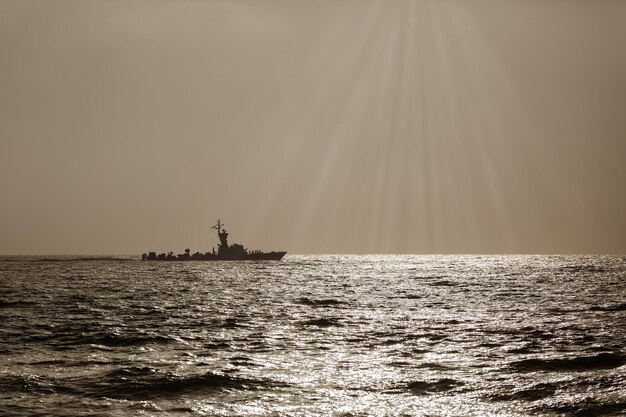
<point x="400" y="141"/>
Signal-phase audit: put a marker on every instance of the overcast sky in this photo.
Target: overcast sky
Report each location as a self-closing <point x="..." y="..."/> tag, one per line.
<point x="326" y="126"/>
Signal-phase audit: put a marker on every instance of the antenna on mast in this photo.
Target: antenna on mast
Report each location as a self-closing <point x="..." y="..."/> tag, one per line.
<point x="218" y="226"/>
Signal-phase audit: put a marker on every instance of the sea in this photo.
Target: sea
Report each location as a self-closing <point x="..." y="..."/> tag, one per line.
<point x="312" y="335"/>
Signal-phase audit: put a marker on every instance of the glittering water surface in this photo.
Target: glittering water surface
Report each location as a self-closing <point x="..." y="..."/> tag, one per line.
<point x="314" y="335"/>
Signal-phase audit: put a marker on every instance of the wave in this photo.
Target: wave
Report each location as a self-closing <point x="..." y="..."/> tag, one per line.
<point x="602" y="382"/>
<point x="589" y="268"/>
<point x="435" y="366"/>
<point x="413" y="296"/>
<point x="217" y="345"/>
<point x="68" y="340"/>
<point x="443" y="283"/>
<point x="30" y="383"/>
<point x="56" y="362"/>
<point x="577" y="364"/>
<point x="118" y="340"/>
<point x="322" y="322"/>
<point x="389" y="342"/>
<point x="432" y="337"/>
<point x="132" y="383"/>
<point x="320" y="302"/>
<point x="19" y="383"/>
<point x="430" y="387"/>
<point x="586" y="407"/>
<point x="229" y="323"/>
<point x="145" y="383"/>
<point x="242" y="361"/>
<point x="528" y="348"/>
<point x="15" y="304"/>
<point x="401" y="364"/>
<point x="534" y="393"/>
<point x="616" y="307"/>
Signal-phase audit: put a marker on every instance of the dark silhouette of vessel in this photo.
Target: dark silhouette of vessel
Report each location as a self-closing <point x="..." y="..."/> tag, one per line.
<point x="225" y="252"/>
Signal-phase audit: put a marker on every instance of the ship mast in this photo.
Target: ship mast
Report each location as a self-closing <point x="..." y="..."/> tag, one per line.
<point x="218" y="226"/>
<point x="223" y="235"/>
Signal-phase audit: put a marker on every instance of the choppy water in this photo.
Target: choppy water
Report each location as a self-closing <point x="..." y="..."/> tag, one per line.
<point x="314" y="335"/>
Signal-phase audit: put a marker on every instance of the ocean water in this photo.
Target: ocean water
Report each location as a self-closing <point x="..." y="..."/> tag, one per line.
<point x="314" y="335"/>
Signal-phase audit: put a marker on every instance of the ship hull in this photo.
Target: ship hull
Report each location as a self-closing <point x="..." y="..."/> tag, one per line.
<point x="254" y="256"/>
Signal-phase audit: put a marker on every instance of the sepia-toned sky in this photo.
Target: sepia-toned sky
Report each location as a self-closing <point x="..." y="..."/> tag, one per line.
<point x="326" y="126"/>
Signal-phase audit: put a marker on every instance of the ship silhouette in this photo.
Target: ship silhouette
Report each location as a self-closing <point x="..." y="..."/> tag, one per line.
<point x="225" y="252"/>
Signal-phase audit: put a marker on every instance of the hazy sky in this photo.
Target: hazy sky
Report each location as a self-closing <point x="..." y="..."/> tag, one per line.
<point x="326" y="126"/>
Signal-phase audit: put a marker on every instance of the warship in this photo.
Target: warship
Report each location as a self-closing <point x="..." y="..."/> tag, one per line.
<point x="225" y="252"/>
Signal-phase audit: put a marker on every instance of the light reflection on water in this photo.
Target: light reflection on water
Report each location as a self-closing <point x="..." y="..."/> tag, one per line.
<point x="325" y="335"/>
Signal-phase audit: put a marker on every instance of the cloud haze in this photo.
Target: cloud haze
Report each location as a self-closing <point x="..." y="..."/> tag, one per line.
<point x="314" y="127"/>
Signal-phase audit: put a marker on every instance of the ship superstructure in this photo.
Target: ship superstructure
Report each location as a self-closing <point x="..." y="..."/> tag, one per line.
<point x="225" y="252"/>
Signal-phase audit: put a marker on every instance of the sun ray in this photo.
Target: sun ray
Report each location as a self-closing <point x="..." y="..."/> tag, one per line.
<point x="401" y="125"/>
